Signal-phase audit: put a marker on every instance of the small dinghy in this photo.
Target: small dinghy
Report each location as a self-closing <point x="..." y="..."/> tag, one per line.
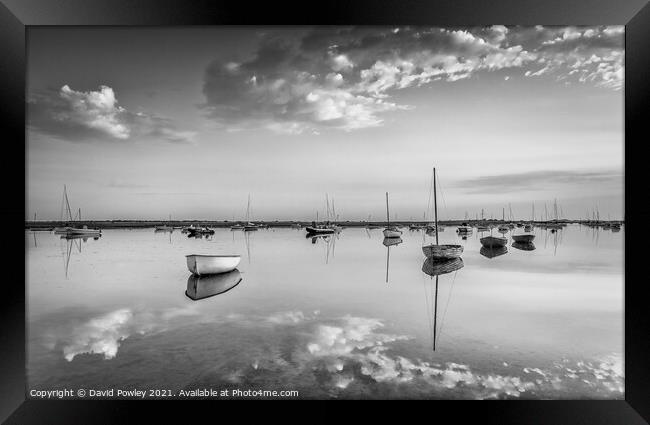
<point x="442" y="252"/>
<point x="200" y="231"/>
<point x="211" y="264"/>
<point x="317" y="230"/>
<point x="199" y="287"/>
<point x="85" y="231"/>
<point x="494" y="241"/>
<point x="526" y="238"/>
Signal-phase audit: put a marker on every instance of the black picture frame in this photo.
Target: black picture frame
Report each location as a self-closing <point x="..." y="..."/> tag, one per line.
<point x="17" y="15"/>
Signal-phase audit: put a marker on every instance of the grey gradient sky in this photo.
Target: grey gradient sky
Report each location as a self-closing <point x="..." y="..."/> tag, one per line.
<point x="146" y="122"/>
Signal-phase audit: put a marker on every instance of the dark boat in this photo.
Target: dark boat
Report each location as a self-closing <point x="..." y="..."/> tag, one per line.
<point x="494" y="241"/>
<point x="318" y="230"/>
<point x="526" y="238"/>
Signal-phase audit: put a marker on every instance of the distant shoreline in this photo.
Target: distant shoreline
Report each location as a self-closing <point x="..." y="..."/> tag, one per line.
<point x="136" y="224"/>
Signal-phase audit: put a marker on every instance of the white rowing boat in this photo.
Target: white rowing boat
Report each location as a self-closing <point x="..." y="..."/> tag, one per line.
<point x="211" y="264"/>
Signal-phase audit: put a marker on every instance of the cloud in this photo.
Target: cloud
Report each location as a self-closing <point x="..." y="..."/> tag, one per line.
<point x="537" y="180"/>
<point x="96" y="115"/>
<point x="344" y="78"/>
<point x="103" y="334"/>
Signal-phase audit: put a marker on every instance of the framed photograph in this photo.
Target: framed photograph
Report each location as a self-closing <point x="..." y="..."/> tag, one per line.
<point x="393" y="201"/>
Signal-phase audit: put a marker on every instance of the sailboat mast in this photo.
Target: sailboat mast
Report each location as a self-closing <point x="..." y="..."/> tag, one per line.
<point x="533" y="211"/>
<point x="387" y="213"/>
<point x="67" y="202"/>
<point x="435" y="204"/>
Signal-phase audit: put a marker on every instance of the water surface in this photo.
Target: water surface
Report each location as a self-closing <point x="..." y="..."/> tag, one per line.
<point x="338" y="317"/>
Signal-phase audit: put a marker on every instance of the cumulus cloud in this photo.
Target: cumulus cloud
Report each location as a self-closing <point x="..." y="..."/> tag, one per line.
<point x="345" y="78"/>
<point x="104" y="334"/>
<point x="96" y="115"/>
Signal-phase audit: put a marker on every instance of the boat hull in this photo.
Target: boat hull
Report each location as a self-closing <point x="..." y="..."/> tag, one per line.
<point x="84" y="232"/>
<point x="523" y="238"/>
<point x="442" y="252"/>
<point x="201" y="265"/>
<point x="319" y="230"/>
<point x="493" y="242"/>
<point x="390" y="233"/>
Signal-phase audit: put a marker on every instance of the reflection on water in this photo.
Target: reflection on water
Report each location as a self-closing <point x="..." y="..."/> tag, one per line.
<point x="388" y="243"/>
<point x="524" y="246"/>
<point x="545" y="323"/>
<point x="199" y="287"/>
<point x="73" y="244"/>
<point x="435" y="269"/>
<point x="493" y="252"/>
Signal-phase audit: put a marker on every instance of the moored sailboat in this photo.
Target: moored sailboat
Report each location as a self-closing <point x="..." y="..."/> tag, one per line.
<point x="437" y="251"/>
<point x="390" y="231"/>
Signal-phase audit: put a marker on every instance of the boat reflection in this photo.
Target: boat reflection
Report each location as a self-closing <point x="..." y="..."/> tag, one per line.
<point x="524" y="246"/>
<point x="329" y="241"/>
<point x="388" y="242"/>
<point x="83" y="237"/>
<point x="392" y="241"/>
<point x="493" y="252"/>
<point x="435" y="269"/>
<point x="73" y="243"/>
<point x="200" y="287"/>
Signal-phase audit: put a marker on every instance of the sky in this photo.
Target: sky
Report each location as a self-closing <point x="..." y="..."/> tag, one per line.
<point x="144" y="123"/>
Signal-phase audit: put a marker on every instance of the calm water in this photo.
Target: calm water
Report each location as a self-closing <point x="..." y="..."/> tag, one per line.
<point x="327" y="318"/>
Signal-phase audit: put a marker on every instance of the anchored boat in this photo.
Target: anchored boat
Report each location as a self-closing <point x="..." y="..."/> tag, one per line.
<point x="211" y="264"/>
<point x="437" y="251"/>
<point x="390" y="231"/>
<point x="525" y="238"/>
<point x="494" y="241"/>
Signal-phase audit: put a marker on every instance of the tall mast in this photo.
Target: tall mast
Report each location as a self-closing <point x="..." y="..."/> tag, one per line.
<point x="387" y="214"/>
<point x="503" y="214"/>
<point x="435" y="204"/>
<point x="67" y="202"/>
<point x="533" y="211"/>
<point x="248" y="208"/>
